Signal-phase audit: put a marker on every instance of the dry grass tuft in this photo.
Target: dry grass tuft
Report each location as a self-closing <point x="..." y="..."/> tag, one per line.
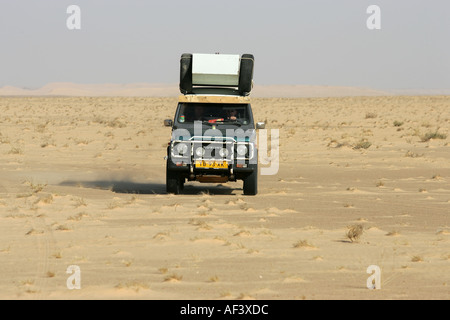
<point x="47" y="199"/>
<point x="380" y="184"/>
<point x="371" y="115"/>
<point x="433" y="136"/>
<point x="62" y="227"/>
<point x="15" y="150"/>
<point x="116" y="123"/>
<point x="77" y="217"/>
<point x="244" y="296"/>
<point x="411" y="154"/>
<point x="127" y="263"/>
<point x="242" y="233"/>
<point x="35" y="187"/>
<point x="362" y="144"/>
<point x="393" y="234"/>
<point x="163" y="270"/>
<point x="355" y="232"/>
<point x="200" y="224"/>
<point x="133" y="285"/>
<point x="302" y="244"/>
<point x="79" y="202"/>
<point x="113" y="205"/>
<point x="34" y="231"/>
<point x="173" y="278"/>
<point x="161" y="235"/>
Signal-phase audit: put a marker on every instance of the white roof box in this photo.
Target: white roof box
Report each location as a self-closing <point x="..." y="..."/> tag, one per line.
<point x="211" y="71"/>
<point x="215" y="69"/>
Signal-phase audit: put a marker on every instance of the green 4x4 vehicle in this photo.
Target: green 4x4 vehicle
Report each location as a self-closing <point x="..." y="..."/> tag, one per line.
<point x="213" y="133"/>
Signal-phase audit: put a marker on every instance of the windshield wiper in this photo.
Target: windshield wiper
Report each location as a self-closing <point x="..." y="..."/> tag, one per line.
<point x="206" y="122"/>
<point x="221" y="120"/>
<point x="238" y="122"/>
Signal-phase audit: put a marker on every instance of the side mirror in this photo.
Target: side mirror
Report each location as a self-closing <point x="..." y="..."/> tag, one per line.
<point x="260" y="125"/>
<point x="168" y="123"/>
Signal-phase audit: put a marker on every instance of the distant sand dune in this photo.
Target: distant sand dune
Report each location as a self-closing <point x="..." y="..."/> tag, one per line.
<point x="171" y="90"/>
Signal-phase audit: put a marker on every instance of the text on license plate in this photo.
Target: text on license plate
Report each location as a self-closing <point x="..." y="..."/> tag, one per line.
<point x="211" y="164"/>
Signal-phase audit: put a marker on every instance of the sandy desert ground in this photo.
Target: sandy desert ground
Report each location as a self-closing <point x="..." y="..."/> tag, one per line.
<point x="82" y="182"/>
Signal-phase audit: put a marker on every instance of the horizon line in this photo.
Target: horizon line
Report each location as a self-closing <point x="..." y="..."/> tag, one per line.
<point x="143" y="89"/>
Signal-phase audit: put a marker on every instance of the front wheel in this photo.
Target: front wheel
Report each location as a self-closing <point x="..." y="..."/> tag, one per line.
<point x="251" y="184"/>
<point x="173" y="182"/>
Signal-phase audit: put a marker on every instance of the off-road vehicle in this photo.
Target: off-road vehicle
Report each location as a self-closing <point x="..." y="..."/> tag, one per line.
<point x="213" y="132"/>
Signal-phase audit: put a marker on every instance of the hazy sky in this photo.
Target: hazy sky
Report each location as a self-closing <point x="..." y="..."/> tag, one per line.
<point x="312" y="42"/>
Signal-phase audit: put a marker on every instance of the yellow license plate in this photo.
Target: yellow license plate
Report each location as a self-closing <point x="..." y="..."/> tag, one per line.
<point x="211" y="164"/>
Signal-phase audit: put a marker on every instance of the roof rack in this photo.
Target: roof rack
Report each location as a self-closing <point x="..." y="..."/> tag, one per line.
<point x="194" y="98"/>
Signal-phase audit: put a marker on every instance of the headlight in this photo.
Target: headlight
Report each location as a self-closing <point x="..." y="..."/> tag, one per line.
<point x="223" y="153"/>
<point x="200" y="152"/>
<point x="182" y="148"/>
<point x="242" y="150"/>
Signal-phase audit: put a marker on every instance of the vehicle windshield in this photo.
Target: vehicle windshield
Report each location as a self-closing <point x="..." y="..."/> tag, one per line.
<point x="213" y="113"/>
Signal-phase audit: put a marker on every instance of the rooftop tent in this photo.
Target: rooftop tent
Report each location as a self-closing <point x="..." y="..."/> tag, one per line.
<point x="216" y="70"/>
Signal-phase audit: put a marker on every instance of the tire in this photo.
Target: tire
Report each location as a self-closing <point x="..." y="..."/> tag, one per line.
<point x="246" y="74"/>
<point x="173" y="182"/>
<point x="251" y="184"/>
<point x="182" y="180"/>
<point x="186" y="73"/>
